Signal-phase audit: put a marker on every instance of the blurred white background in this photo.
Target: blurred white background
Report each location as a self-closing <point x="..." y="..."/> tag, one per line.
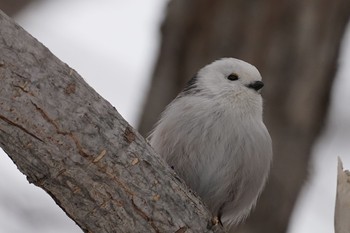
<point x="113" y="45"/>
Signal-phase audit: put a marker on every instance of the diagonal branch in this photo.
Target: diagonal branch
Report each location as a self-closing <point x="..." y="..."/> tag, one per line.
<point x="72" y="143"/>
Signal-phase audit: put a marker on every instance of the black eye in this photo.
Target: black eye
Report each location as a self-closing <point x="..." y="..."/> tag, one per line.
<point x="232" y="77"/>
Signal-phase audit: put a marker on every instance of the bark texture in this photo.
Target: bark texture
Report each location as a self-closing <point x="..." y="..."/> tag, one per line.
<point x="294" y="44"/>
<point x="72" y="143"/>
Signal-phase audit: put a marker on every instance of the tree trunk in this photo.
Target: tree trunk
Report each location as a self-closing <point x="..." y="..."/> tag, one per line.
<point x="72" y="143"/>
<point x="294" y="44"/>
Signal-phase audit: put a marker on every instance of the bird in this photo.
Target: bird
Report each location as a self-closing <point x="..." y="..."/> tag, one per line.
<point x="212" y="134"/>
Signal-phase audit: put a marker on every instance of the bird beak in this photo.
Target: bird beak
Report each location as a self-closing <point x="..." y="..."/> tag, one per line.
<point x="257" y="85"/>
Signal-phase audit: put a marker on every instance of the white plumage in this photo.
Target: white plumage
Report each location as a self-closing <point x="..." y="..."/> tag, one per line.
<point x="214" y="137"/>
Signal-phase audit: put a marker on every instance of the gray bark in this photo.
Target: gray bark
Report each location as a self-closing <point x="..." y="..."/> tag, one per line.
<point x="72" y="143"/>
<point x="294" y="44"/>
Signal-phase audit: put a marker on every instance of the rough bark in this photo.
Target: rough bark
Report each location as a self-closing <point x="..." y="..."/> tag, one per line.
<point x="294" y="44"/>
<point x="72" y="143"/>
<point x="342" y="204"/>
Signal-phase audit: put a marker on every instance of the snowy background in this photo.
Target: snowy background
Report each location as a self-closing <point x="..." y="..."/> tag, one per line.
<point x="113" y="45"/>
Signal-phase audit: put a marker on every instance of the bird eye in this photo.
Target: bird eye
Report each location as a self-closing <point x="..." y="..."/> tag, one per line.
<point x="232" y="77"/>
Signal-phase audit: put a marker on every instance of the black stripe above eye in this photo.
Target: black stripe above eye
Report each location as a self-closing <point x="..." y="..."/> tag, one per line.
<point x="191" y="84"/>
<point x="190" y="87"/>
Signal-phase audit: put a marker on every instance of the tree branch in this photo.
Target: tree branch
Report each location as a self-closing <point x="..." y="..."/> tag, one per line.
<point x="72" y="143"/>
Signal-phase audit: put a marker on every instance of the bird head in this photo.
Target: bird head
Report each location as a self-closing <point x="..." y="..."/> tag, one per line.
<point x="228" y="81"/>
<point x="230" y="76"/>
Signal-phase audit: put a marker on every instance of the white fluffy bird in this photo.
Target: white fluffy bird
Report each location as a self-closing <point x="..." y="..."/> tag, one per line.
<point x="214" y="137"/>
